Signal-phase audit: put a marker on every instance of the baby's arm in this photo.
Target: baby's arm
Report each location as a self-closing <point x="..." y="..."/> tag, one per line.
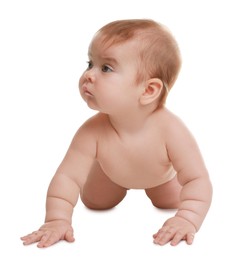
<point x="61" y="199"/>
<point x="63" y="191"/>
<point x="196" y="194"/>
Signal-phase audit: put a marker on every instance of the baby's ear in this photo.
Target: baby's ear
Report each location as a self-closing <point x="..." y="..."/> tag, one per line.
<point x="152" y="91"/>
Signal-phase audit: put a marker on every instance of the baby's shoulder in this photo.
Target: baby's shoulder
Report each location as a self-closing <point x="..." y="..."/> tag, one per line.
<point x="90" y="130"/>
<point x="169" y="121"/>
<point x="167" y="118"/>
<point x="174" y="128"/>
<point x="95" y="123"/>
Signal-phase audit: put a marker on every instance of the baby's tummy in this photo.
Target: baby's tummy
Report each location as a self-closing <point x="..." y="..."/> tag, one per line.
<point x="138" y="176"/>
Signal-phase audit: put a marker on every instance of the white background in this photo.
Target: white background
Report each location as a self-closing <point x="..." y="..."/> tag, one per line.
<point x="43" y="51"/>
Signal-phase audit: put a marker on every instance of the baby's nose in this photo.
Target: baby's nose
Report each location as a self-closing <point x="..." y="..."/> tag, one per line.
<point x="89" y="75"/>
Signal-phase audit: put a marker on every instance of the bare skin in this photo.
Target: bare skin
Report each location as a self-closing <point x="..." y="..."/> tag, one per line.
<point x="132" y="143"/>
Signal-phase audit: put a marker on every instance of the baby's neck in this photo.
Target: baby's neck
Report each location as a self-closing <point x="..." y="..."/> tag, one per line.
<point x="131" y="123"/>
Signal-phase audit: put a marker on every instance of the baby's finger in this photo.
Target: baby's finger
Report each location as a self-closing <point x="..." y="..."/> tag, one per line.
<point x="69" y="236"/>
<point x="163" y="236"/>
<point x="48" y="239"/>
<point x="190" y="238"/>
<point x="157" y="236"/>
<point x="177" y="238"/>
<point x="32" y="238"/>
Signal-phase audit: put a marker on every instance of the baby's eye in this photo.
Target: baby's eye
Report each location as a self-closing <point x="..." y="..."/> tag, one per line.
<point x="106" y="68"/>
<point x="90" y="65"/>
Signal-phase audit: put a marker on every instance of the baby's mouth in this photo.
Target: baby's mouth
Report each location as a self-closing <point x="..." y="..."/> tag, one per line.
<point x="86" y="92"/>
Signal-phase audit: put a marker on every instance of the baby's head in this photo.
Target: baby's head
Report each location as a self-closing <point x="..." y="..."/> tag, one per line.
<point x="157" y="50"/>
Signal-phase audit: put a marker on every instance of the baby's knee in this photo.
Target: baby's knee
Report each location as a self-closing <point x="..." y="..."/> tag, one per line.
<point x="163" y="202"/>
<point x="100" y="204"/>
<point x="95" y="206"/>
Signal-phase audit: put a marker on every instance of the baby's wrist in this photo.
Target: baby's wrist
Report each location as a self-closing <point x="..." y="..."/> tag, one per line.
<point x="187" y="219"/>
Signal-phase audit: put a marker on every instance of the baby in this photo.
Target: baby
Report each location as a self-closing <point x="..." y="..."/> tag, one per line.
<point x="133" y="142"/>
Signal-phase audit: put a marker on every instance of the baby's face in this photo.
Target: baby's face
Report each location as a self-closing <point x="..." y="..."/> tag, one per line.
<point x="109" y="83"/>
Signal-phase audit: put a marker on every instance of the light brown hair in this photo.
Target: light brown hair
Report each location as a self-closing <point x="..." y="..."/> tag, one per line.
<point x="159" y="55"/>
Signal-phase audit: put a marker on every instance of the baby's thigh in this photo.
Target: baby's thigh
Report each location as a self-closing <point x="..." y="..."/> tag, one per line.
<point x="99" y="192"/>
<point x="167" y="195"/>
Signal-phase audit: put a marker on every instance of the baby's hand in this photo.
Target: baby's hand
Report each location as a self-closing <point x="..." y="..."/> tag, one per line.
<point x="50" y="233"/>
<point x="175" y="229"/>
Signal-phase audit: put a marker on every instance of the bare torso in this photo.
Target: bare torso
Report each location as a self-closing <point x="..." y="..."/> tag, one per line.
<point x="136" y="161"/>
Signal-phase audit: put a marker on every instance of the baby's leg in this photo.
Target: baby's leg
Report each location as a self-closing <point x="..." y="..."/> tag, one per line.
<point x="99" y="192"/>
<point x="167" y="195"/>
